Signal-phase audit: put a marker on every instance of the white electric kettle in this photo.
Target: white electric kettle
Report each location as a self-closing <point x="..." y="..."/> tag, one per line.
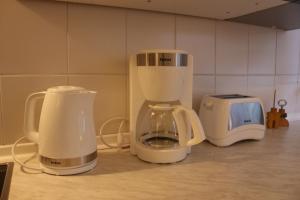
<point x="66" y="135"/>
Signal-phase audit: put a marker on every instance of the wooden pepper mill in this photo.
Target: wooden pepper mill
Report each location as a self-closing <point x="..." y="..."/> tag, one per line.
<point x="275" y="118"/>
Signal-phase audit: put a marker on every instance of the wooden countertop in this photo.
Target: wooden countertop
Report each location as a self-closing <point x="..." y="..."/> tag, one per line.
<point x="266" y="169"/>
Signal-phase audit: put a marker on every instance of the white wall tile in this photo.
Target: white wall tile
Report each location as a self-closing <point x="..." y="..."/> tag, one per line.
<point x="96" y="39"/>
<point x="288" y="52"/>
<point x="15" y="90"/>
<point x="3" y="136"/>
<point x="32" y="37"/>
<point x="231" y="48"/>
<point x="262" y="87"/>
<point x="298" y="96"/>
<point x="202" y="85"/>
<point x="287" y="89"/>
<point x="231" y="84"/>
<point x="147" y="30"/>
<point x="111" y="98"/>
<point x="262" y="50"/>
<point x="197" y="36"/>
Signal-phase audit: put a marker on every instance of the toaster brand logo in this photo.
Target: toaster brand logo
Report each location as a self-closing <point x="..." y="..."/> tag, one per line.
<point x="247" y="121"/>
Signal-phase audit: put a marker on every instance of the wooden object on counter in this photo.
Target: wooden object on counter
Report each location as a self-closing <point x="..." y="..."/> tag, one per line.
<point x="283" y="115"/>
<point x="273" y="118"/>
<point x="283" y="121"/>
<point x="277" y="118"/>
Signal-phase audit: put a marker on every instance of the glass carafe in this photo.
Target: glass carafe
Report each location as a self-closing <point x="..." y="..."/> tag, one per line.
<point x="162" y="131"/>
<point x="169" y="126"/>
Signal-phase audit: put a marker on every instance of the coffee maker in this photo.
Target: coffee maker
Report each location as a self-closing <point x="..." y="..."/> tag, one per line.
<point x="163" y="125"/>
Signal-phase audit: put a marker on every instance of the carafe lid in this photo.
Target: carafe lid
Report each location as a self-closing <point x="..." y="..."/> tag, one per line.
<point x="66" y="88"/>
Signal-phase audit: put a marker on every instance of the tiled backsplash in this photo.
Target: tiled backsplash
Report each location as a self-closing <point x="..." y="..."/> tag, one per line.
<point x="45" y="43"/>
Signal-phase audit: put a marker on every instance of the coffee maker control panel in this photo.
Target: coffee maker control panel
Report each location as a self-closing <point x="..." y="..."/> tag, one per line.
<point x="162" y="59"/>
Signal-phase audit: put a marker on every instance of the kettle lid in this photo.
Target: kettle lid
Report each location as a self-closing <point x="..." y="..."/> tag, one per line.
<point x="66" y="88"/>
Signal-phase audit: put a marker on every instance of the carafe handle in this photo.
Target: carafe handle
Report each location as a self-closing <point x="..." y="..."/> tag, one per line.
<point x="194" y="121"/>
<point x="29" y="116"/>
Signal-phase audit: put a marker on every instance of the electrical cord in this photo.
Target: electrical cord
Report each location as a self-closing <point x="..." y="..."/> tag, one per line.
<point x="120" y="135"/>
<point x="119" y="145"/>
<point x="23" y="165"/>
<point x="19" y="161"/>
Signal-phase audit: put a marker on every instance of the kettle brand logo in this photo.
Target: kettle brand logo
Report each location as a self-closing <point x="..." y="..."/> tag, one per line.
<point x="55" y="162"/>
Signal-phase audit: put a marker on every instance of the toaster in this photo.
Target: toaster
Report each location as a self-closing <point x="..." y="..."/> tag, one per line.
<point x="227" y="119"/>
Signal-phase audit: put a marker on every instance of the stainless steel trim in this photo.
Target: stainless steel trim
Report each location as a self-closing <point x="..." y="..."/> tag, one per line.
<point x="162" y="59"/>
<point x="151" y="59"/>
<point x="182" y="60"/>
<point x="141" y="59"/>
<point x="68" y="162"/>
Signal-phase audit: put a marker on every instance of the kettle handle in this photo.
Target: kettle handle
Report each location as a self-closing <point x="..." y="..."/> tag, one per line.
<point x="29" y="116"/>
<point x="194" y="121"/>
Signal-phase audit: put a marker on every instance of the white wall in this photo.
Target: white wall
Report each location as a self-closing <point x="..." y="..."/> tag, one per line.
<point x="45" y="43"/>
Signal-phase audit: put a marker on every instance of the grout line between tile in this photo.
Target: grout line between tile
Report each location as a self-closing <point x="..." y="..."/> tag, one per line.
<point x="215" y="57"/>
<point x="248" y="59"/>
<point x="126" y="74"/>
<point x="74" y="74"/>
<point x="261" y="75"/>
<point x="198" y="74"/>
<point x="31" y="75"/>
<point x="275" y="62"/>
<point x="298" y="83"/>
<point x="231" y="74"/>
<point x="298" y="68"/>
<point x="1" y="115"/>
<point x="126" y="65"/>
<point x="276" y="48"/>
<point x="175" y="31"/>
<point x="68" y="42"/>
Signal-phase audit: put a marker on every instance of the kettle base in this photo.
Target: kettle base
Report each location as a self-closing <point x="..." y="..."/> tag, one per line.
<point x="69" y="171"/>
